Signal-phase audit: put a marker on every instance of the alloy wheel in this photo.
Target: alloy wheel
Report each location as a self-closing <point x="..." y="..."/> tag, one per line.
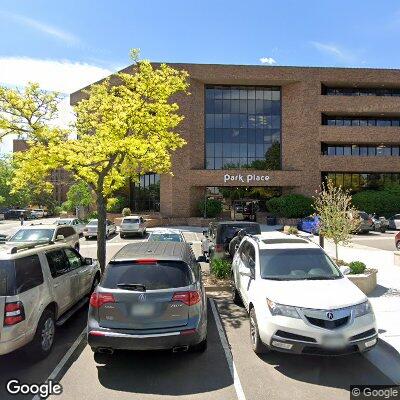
<point x="48" y="334"/>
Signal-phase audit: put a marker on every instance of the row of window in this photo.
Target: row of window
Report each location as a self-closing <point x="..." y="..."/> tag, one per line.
<point x="267" y="107"/>
<point x="242" y="135"/>
<point x="362" y="181"/>
<point x="358" y="121"/>
<point x="357" y="150"/>
<point x="250" y="150"/>
<point x="242" y="93"/>
<point x="232" y="162"/>
<point x="243" y="121"/>
<point x="332" y="91"/>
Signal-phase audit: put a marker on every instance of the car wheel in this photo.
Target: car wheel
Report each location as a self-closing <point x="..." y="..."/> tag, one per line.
<point x="236" y="296"/>
<point x="43" y="340"/>
<point x="398" y="245"/>
<point x="200" y="347"/>
<point x="258" y="346"/>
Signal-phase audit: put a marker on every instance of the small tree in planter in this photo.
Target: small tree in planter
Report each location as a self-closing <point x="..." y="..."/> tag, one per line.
<point x="337" y="221"/>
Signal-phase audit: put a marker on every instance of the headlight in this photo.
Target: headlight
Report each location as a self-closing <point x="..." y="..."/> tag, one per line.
<point x="280" y="309"/>
<point x="362" y="309"/>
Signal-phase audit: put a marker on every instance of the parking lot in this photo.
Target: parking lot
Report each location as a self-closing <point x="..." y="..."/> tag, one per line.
<point x="378" y="240"/>
<point x="227" y="370"/>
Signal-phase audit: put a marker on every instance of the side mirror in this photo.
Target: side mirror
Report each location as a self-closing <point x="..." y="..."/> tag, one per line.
<point x="201" y="259"/>
<point x="344" y="270"/>
<point x="60" y="237"/>
<point x="88" y="261"/>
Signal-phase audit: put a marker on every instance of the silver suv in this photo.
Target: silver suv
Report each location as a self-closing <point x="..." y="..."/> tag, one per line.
<point x="35" y="233"/>
<point x="41" y="286"/>
<point x="151" y="297"/>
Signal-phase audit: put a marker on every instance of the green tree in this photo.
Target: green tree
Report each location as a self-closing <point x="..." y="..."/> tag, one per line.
<point x="80" y="195"/>
<point x="125" y="128"/>
<point x="290" y="206"/>
<point x="338" y="218"/>
<point x="273" y="157"/>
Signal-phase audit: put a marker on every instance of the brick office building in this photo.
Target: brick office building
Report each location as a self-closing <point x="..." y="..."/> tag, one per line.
<point x="337" y="122"/>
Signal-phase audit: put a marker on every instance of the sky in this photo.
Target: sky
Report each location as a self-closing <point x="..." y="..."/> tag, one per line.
<point x="65" y="45"/>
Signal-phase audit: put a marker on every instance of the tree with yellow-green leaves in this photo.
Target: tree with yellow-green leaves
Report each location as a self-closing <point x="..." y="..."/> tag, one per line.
<point x="125" y="128"/>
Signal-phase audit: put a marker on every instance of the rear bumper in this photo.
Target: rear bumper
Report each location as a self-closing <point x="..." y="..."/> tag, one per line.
<point x="106" y="338"/>
<point x="14" y="344"/>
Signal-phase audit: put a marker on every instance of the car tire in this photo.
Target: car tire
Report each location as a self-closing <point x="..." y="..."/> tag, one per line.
<point x="236" y="296"/>
<point x="43" y="340"/>
<point x="258" y="346"/>
<point x="200" y="347"/>
<point x="398" y="245"/>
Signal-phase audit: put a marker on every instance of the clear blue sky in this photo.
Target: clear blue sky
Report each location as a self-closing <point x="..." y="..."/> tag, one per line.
<point x="65" y="45"/>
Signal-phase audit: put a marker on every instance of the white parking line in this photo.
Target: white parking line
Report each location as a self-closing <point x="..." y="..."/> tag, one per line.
<point x="64" y="360"/>
<point x="228" y="353"/>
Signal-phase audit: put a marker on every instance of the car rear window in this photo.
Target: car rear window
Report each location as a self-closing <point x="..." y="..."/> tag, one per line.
<point x="32" y="235"/>
<point x="163" y="275"/>
<point x="131" y="221"/>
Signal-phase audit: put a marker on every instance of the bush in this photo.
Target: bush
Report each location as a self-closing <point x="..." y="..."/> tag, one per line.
<point x="126" y="212"/>
<point x="220" y="268"/>
<point x="58" y="210"/>
<point x="382" y="202"/>
<point x="212" y="207"/>
<point x="290" y="230"/>
<point x="357" y="267"/>
<point x="93" y="215"/>
<point x="290" y="206"/>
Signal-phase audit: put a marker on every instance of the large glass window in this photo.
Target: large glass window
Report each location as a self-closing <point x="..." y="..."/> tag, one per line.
<point x="356" y="181"/>
<point x="145" y="195"/>
<point x="360" y="121"/>
<point x="241" y="124"/>
<point x="335" y="91"/>
<point x="359" y="150"/>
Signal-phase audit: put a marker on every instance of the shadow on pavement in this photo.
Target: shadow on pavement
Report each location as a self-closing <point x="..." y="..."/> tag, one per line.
<point x="19" y="364"/>
<point x="166" y="373"/>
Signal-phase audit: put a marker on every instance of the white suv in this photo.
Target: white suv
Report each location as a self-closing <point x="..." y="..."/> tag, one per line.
<point x="298" y="299"/>
<point x="41" y="286"/>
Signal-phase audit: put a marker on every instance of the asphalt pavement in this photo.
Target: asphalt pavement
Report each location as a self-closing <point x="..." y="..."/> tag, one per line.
<point x="227" y="370"/>
<point x="382" y="241"/>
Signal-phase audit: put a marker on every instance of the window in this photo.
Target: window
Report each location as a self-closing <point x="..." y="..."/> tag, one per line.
<point x="356" y="181"/>
<point x="74" y="259"/>
<point x="32" y="235"/>
<point x="58" y="263"/>
<point x="28" y="273"/>
<point x="358" y="121"/>
<point x="356" y="150"/>
<point x="352" y="91"/>
<point x="239" y="127"/>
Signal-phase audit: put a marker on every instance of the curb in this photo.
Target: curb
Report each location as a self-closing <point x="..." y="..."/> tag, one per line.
<point x="216" y="288"/>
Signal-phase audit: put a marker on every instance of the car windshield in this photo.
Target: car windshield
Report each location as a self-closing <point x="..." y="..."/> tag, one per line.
<point x="165" y="237"/>
<point x="64" y="222"/>
<point x="93" y="222"/>
<point x="363" y="215"/>
<point x="297" y="264"/>
<point x="32" y="235"/>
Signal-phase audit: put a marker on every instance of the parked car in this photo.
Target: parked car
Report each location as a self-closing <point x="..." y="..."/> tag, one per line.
<point x="309" y="224"/>
<point x="380" y="224"/>
<point x="365" y="222"/>
<point x="132" y="225"/>
<point x="2" y="216"/>
<point x="166" y="235"/>
<point x="41" y="286"/>
<point x="45" y="233"/>
<point x="219" y="234"/>
<point x="397" y="241"/>
<point x="16" y="214"/>
<point x="76" y="223"/>
<point x="90" y="230"/>
<point x="38" y="213"/>
<point x="151" y="297"/>
<point x="298" y="300"/>
<point x="394" y="222"/>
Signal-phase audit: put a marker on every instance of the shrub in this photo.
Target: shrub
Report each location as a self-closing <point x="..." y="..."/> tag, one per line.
<point x="57" y="210"/>
<point x="290" y="206"/>
<point x="340" y="262"/>
<point x="382" y="202"/>
<point x="220" y="268"/>
<point x="93" y="215"/>
<point x="212" y="208"/>
<point x="126" y="211"/>
<point x="290" y="230"/>
<point x="357" y="267"/>
<point x="116" y="204"/>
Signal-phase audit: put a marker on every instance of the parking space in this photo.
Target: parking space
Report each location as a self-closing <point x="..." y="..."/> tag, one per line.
<point x="377" y="240"/>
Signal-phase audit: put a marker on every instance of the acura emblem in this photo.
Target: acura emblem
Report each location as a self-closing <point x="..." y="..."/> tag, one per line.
<point x="142" y="297"/>
<point x="329" y="315"/>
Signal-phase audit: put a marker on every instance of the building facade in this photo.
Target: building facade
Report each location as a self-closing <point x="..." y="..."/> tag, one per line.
<point x="340" y="123"/>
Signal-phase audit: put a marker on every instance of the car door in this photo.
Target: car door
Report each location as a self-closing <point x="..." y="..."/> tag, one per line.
<point x="83" y="273"/>
<point x="246" y="265"/>
<point x="62" y="279"/>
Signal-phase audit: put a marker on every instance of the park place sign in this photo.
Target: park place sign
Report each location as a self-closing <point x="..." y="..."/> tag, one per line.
<point x="249" y="178"/>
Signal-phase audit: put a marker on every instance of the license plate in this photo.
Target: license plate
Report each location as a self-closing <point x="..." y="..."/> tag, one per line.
<point x="334" y="342"/>
<point x="142" y="310"/>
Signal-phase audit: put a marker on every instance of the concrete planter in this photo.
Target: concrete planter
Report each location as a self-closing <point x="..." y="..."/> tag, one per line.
<point x="366" y="282"/>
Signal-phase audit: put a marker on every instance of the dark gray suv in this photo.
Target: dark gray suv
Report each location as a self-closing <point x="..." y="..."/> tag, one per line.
<point x="151" y="297"/>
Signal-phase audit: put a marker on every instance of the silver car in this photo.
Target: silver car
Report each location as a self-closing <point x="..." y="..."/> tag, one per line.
<point x="151" y="297"/>
<point x="77" y="224"/>
<point x="90" y="230"/>
<point x="166" y="235"/>
<point x="41" y="286"/>
<point x="132" y="225"/>
<point x="45" y="233"/>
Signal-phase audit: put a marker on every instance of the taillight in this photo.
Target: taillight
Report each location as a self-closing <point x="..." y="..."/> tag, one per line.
<point x="13" y="313"/>
<point x="189" y="298"/>
<point x="219" y="247"/>
<point x="98" y="299"/>
<point x="146" y="261"/>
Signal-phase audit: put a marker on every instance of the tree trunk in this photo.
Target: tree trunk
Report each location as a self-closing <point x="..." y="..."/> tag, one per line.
<point x="336" y="250"/>
<point x="101" y="230"/>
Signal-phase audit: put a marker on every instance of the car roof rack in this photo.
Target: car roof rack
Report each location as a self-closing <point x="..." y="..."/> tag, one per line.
<point x="28" y="246"/>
